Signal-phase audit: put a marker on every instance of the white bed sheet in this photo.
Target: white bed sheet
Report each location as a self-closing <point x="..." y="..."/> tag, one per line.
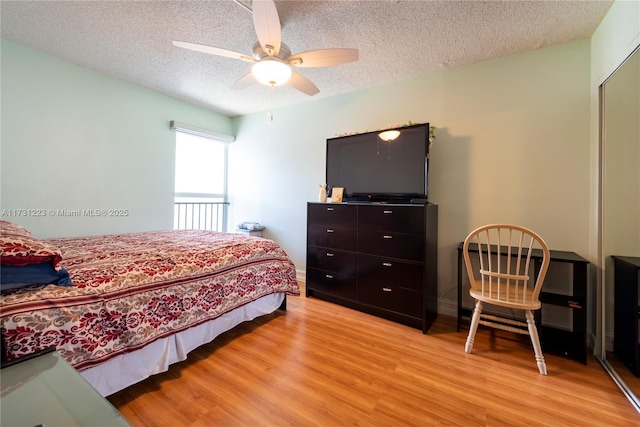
<point x="127" y="369"/>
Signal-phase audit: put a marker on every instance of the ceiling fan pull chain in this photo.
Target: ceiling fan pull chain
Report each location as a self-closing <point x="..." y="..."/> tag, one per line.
<point x="269" y="113"/>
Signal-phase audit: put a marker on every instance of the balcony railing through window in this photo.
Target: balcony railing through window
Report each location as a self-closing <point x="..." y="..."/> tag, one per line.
<point x="200" y="216"/>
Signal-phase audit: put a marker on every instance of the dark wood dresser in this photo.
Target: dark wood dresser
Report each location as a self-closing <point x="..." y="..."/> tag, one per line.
<point x="377" y="258"/>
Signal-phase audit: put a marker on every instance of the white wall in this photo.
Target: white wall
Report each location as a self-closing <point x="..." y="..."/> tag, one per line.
<point x="512" y="145"/>
<point x="75" y="139"/>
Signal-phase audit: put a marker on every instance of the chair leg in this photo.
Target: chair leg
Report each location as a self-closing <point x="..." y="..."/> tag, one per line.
<point x="535" y="340"/>
<point x="474" y="327"/>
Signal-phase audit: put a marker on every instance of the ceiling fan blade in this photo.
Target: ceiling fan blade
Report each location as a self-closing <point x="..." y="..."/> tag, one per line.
<point x="324" y="57"/>
<point x="244" y="81"/>
<point x="267" y="24"/>
<point x="303" y="84"/>
<point x="214" y="51"/>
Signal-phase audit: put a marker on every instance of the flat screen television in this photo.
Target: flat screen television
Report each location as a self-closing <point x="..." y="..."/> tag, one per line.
<point x="372" y="169"/>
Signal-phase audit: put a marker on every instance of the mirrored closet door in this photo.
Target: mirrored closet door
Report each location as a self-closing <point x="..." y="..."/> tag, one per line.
<point x="620" y="226"/>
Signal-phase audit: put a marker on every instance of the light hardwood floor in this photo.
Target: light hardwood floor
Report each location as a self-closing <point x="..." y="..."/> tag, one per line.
<point x="320" y="364"/>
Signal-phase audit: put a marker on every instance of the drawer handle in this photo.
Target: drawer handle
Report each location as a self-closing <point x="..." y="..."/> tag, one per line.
<point x="387" y="289"/>
<point x="328" y="276"/>
<point x="387" y="212"/>
<point x="329" y="254"/>
<point x="386" y="236"/>
<point x="387" y="264"/>
<point x="330" y="209"/>
<point x="330" y="230"/>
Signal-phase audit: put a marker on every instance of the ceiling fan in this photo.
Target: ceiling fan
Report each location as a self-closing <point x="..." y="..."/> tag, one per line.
<point x="272" y="59"/>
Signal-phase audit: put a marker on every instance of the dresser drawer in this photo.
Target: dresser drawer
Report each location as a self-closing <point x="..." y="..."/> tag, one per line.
<point x="332" y="237"/>
<point x="333" y="283"/>
<point x="403" y="219"/>
<point x="331" y="260"/>
<point x="390" y="297"/>
<point x="391" y="244"/>
<point x="336" y="215"/>
<point x="390" y="271"/>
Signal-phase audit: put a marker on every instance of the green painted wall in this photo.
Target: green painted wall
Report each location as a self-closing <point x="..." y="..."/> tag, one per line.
<point x="75" y="139"/>
<point x="512" y="145"/>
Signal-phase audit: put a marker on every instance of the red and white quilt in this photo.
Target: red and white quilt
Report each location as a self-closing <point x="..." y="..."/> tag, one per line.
<point x="131" y="289"/>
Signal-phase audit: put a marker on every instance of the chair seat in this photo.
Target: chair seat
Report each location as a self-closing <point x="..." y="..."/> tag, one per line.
<point x="504" y="300"/>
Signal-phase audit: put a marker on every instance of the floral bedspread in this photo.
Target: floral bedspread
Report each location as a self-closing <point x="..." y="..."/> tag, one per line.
<point x="131" y="289"/>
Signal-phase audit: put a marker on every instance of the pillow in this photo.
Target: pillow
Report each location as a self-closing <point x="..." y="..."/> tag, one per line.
<point x="19" y="247"/>
<point x="14" y="276"/>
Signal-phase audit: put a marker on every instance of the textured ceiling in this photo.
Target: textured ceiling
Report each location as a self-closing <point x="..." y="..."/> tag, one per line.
<point x="397" y="40"/>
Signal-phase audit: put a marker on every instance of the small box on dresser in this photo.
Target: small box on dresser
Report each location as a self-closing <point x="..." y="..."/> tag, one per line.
<point x="377" y="258"/>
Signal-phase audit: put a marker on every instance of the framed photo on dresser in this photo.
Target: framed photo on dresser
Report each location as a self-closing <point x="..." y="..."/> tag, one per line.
<point x="336" y="194"/>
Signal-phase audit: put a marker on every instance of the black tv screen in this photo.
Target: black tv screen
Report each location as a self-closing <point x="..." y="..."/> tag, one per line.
<point x="371" y="169"/>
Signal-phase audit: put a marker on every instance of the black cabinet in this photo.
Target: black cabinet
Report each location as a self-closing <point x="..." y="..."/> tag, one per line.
<point x="627" y="312"/>
<point x="376" y="258"/>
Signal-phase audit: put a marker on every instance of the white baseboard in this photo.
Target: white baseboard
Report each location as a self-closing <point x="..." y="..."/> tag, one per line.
<point x="301" y="276"/>
<point x="448" y="308"/>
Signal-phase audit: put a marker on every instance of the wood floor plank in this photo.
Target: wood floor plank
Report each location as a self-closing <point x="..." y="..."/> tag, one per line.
<point x="320" y="364"/>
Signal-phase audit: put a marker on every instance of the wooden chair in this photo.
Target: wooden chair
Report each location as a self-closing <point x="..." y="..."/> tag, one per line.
<point x="503" y="277"/>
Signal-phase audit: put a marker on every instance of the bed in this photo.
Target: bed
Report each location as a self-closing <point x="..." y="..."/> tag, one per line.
<point x="139" y="302"/>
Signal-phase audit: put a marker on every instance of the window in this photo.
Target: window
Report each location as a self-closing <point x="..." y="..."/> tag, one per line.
<point x="200" y="183"/>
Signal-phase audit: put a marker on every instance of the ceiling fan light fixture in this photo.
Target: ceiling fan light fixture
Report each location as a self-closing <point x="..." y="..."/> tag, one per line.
<point x="271" y="72"/>
<point x="389" y="135"/>
<point x="271" y="57"/>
